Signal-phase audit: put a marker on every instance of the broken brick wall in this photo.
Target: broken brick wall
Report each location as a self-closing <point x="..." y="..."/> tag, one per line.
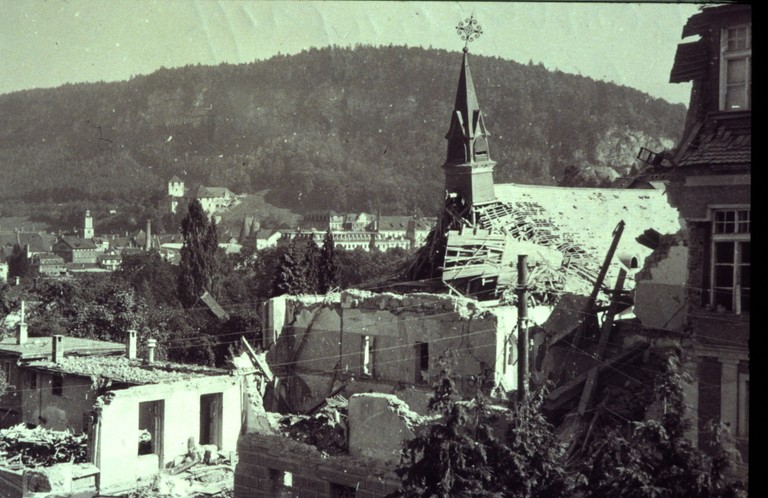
<point x="273" y="465"/>
<point x="383" y="343"/>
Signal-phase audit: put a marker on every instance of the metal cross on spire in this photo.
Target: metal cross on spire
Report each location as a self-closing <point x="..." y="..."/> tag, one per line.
<point x="469" y="30"/>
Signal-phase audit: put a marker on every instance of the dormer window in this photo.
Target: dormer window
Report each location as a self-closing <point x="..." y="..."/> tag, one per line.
<point x="736" y="68"/>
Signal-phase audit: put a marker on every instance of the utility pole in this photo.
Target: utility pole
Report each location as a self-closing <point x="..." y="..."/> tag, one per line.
<point x="522" y="326"/>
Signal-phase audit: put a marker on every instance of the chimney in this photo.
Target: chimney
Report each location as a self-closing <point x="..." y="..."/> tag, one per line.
<point x="148" y="243"/>
<point x="21" y="328"/>
<point x="151" y="344"/>
<point x="130" y="345"/>
<point x="57" y="348"/>
<point x="18" y="280"/>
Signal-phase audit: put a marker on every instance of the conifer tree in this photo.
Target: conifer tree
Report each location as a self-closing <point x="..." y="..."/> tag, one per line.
<point x="289" y="274"/>
<point x="198" y="254"/>
<point x="328" y="271"/>
<point x="312" y="257"/>
<point x="18" y="263"/>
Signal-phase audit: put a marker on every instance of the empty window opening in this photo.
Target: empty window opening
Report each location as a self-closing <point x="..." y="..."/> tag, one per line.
<point x="368" y="350"/>
<point x="150" y="427"/>
<point x="341" y="491"/>
<point x="282" y="483"/>
<point x="422" y="362"/>
<point x="57" y="385"/>
<point x="32" y="380"/>
<point x="210" y="418"/>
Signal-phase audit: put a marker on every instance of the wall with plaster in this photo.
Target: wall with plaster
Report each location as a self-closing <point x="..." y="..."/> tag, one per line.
<point x="116" y="438"/>
<point x="40" y="406"/>
<point x="660" y="291"/>
<point x="321" y="344"/>
<point x="379" y="424"/>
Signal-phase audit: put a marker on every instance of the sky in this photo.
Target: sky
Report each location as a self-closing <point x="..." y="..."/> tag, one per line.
<point x="46" y="43"/>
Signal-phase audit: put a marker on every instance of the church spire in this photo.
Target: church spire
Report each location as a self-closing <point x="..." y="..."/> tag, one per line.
<point x="468" y="166"/>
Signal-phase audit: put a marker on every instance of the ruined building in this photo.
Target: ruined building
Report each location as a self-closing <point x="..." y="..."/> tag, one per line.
<point x="699" y="283"/>
<point x="482" y="227"/>
<point x="382" y="351"/>
<point x="137" y="416"/>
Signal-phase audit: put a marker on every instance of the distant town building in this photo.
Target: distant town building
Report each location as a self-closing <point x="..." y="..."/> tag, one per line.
<point x="76" y="250"/>
<point x="214" y="198"/>
<point x="48" y="265"/>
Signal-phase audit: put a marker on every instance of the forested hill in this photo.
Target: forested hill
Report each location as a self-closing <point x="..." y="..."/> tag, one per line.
<point x="340" y="128"/>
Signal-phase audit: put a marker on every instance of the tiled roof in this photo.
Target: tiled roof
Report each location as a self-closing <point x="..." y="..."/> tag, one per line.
<point x="121" y="369"/>
<point x="40" y="347"/>
<point x="719" y="147"/>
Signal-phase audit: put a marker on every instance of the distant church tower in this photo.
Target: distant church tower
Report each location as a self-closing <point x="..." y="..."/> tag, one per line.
<point x="88" y="225"/>
<point x="468" y="167"/>
<point x="175" y="192"/>
<point x="176" y="187"/>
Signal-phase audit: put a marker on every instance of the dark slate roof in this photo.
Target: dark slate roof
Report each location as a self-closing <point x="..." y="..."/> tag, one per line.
<point x="175" y="179"/>
<point x="466" y="99"/>
<point x="78" y="242"/>
<point x="698" y="24"/>
<point x="37" y="242"/>
<point x="691" y="61"/>
<point x="394" y="222"/>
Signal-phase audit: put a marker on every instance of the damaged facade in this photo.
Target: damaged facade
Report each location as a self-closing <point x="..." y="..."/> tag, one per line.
<point x="274" y="461"/>
<point x="138" y="416"/>
<point x="359" y="341"/>
<point x="698" y="283"/>
<point x="584" y="247"/>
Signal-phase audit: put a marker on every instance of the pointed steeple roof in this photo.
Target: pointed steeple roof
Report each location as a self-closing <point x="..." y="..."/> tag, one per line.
<point x="467" y="135"/>
<point x="466" y="98"/>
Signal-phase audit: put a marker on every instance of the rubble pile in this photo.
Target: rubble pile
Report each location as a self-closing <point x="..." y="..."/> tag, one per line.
<point x="200" y="481"/>
<point x="326" y="429"/>
<point x="22" y="446"/>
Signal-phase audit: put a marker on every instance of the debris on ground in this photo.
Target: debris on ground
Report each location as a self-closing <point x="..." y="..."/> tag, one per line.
<point x="21" y="446"/>
<point x="326" y="429"/>
<point x="195" y="475"/>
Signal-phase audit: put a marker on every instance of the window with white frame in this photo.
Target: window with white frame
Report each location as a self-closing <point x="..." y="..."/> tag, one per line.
<point x="730" y="275"/>
<point x="736" y="68"/>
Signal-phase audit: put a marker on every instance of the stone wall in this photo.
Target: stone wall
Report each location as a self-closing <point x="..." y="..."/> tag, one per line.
<point x="275" y="466"/>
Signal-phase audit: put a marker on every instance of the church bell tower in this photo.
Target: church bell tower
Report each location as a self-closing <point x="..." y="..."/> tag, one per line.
<point x="468" y="166"/>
